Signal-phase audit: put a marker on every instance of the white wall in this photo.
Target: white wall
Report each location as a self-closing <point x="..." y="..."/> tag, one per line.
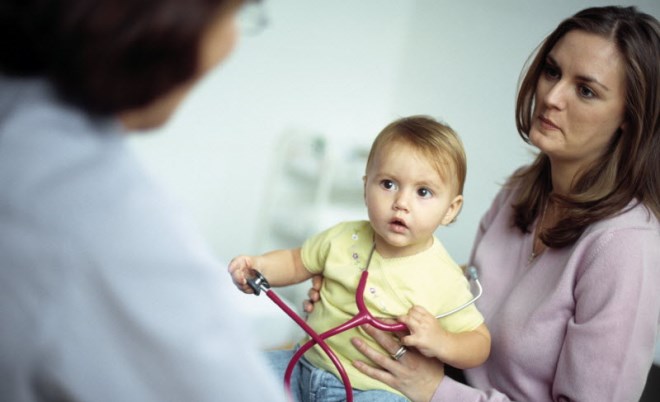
<point x="325" y="66"/>
<point x="347" y="68"/>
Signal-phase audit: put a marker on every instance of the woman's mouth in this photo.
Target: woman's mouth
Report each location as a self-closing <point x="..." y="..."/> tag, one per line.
<point x="547" y="123"/>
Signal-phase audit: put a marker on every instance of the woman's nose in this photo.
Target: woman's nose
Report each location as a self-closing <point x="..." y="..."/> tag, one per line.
<point x="555" y="95"/>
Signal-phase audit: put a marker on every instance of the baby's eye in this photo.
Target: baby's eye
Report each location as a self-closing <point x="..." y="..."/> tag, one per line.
<point x="424" y="192"/>
<point x="388" y="184"/>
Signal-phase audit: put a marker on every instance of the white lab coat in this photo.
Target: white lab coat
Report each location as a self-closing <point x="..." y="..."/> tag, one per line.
<point x="107" y="293"/>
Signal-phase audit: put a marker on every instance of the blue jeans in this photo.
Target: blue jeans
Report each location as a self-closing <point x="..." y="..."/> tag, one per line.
<point x="311" y="384"/>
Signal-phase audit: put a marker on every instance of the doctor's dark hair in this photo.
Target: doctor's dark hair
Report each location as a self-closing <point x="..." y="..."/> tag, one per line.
<point x="106" y="56"/>
<point x="629" y="170"/>
<point x="435" y="140"/>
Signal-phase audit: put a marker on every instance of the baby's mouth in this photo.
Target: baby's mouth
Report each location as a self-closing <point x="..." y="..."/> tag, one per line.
<point x="398" y="224"/>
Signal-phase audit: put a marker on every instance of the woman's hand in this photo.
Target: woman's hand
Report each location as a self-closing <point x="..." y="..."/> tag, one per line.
<point x="314" y="294"/>
<point x="415" y="375"/>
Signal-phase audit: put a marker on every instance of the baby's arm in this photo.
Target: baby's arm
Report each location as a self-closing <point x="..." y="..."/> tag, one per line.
<point x="280" y="267"/>
<point x="461" y="350"/>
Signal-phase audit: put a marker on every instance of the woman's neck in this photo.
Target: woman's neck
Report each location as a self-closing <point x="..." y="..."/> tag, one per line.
<point x="566" y="173"/>
<point x="563" y="176"/>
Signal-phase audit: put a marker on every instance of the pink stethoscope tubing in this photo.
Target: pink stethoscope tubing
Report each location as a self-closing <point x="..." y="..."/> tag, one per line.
<point x="362" y="317"/>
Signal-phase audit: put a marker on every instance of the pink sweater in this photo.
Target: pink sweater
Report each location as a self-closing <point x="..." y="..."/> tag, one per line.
<point x="578" y="323"/>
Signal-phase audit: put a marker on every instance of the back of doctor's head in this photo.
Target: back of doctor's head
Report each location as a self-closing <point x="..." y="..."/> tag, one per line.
<point x="438" y="142"/>
<point x="106" y="56"/>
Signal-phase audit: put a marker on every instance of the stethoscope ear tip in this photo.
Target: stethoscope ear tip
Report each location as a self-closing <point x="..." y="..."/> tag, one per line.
<point x="472" y="273"/>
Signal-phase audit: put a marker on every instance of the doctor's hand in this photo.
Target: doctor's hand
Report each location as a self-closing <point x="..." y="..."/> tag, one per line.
<point x="239" y="269"/>
<point x="415" y="375"/>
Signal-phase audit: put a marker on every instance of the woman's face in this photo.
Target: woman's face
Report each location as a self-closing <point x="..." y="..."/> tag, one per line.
<point x="580" y="99"/>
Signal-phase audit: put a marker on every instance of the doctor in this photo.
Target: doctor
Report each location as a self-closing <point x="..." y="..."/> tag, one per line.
<point x="106" y="291"/>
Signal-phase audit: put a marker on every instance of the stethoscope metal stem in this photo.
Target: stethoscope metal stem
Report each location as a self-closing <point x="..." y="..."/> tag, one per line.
<point x="472" y="273"/>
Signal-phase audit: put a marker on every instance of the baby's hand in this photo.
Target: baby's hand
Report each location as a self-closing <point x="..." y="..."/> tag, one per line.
<point x="426" y="334"/>
<point x="239" y="269"/>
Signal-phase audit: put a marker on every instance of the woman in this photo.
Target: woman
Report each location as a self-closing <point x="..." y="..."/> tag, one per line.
<point x="106" y="291"/>
<point x="569" y="252"/>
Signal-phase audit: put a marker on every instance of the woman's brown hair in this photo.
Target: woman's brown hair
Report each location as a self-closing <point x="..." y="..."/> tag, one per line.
<point x="106" y="56"/>
<point x="630" y="168"/>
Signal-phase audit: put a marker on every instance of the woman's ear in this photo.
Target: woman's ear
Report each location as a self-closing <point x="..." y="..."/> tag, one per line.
<point x="364" y="188"/>
<point x="453" y="210"/>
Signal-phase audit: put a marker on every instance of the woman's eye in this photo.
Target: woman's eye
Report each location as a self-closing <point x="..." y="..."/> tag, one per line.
<point x="551" y="71"/>
<point x="586" y="92"/>
<point x="424" y="192"/>
<point x="387" y="184"/>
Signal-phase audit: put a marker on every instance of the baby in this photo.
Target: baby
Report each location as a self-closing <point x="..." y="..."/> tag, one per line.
<point x="413" y="184"/>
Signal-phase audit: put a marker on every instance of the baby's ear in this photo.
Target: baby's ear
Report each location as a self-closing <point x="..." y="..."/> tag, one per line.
<point x="453" y="210"/>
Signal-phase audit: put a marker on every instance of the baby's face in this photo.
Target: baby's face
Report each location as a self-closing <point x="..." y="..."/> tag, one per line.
<point x="407" y="200"/>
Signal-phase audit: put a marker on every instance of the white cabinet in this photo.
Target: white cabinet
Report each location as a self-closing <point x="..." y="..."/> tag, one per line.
<point x="313" y="185"/>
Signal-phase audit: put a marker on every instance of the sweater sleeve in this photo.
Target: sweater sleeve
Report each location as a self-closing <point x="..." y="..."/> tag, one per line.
<point x="608" y="347"/>
<point x="451" y="390"/>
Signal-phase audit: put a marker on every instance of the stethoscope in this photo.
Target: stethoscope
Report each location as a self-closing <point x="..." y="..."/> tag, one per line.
<point x="363" y="316"/>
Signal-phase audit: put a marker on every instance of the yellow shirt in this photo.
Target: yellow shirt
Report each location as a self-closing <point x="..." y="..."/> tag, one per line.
<point x="430" y="279"/>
